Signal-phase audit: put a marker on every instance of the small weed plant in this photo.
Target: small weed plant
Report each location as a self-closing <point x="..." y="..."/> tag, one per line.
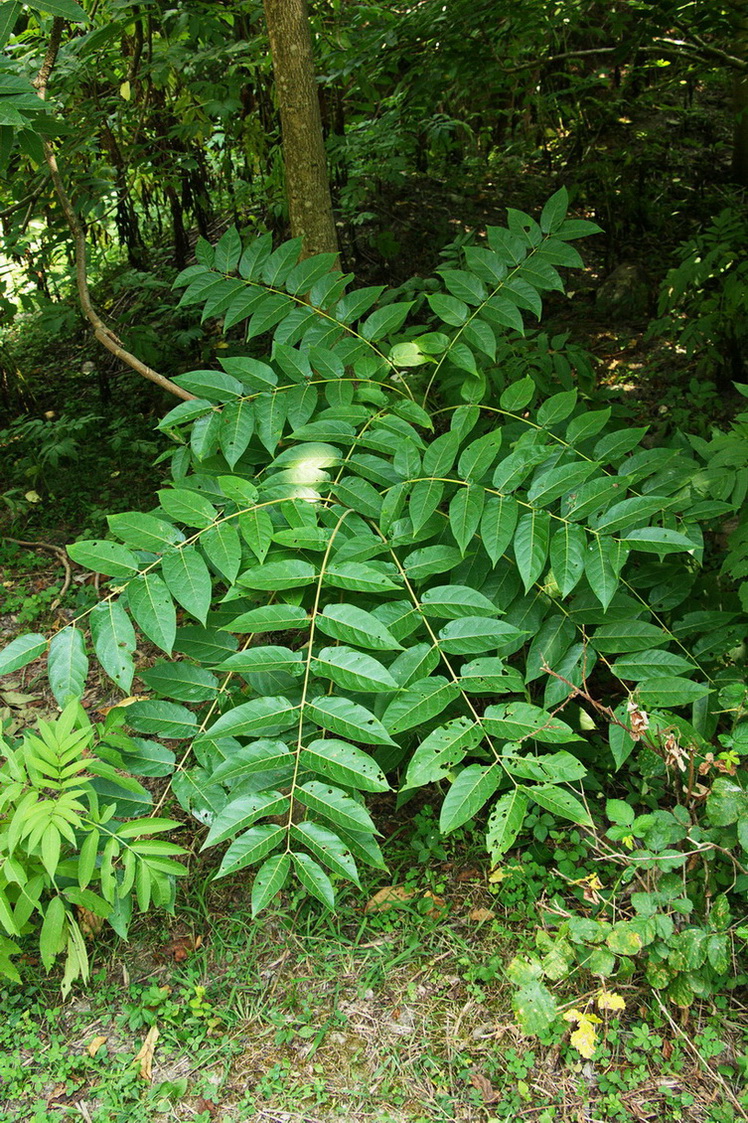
<point x="67" y="863"/>
<point x="355" y="574"/>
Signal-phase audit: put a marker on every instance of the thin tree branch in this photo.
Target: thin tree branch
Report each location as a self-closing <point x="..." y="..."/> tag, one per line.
<point x="697" y="50"/>
<point x="698" y="45"/>
<point x="103" y="333"/>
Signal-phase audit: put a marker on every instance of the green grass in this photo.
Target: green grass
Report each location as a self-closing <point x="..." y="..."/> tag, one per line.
<point x="396" y="1016"/>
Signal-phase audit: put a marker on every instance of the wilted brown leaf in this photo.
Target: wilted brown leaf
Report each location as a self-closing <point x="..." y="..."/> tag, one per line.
<point x="481" y="915"/>
<point x="89" y="922"/>
<point x="389" y="896"/>
<point x="181" y="947"/>
<point x="145" y="1055"/>
<point x="439" y="905"/>
<point x="484" y="1086"/>
<point x="123" y="702"/>
<point x="95" y="1044"/>
<point x="399" y="895"/>
<point x="469" y="874"/>
<point x="207" y="1105"/>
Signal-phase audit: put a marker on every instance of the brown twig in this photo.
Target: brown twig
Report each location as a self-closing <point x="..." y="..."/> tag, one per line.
<point x="702" y="1060"/>
<point x="58" y="551"/>
<point x="104" y="334"/>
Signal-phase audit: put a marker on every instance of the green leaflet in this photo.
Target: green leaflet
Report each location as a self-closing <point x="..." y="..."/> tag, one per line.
<point x="414" y="663"/>
<point x="206" y="645"/>
<point x="348" y="720"/>
<point x="163" y="719"/>
<point x="478" y="457"/>
<point x="451" y="602"/>
<point x="497" y="525"/>
<point x="262" y="716"/>
<point x="104" y="557"/>
<point x="181" y="682"/>
<point x="349" y="624"/>
<point x="256" y="528"/>
<point x="430" y="561"/>
<point x="358" y="577"/>
<point x="425" y="497"/>
<point x="188" y="507"/>
<point x="353" y="670"/>
<point x="343" y="764"/>
<point x="21" y="651"/>
<point x="531" y="545"/>
<point x="628" y="636"/>
<point x="556" y="635"/>
<point x="418" y="703"/>
<point x="314" y="878"/>
<point x="658" y="540"/>
<point x="144" y="532"/>
<point x="237" y="425"/>
<point x="465" y="510"/>
<point x="442" y="749"/>
<point x="334" y="805"/>
<point x="562" y="803"/>
<point x="269" y="880"/>
<point x="272" y="658"/>
<point x="188" y="580"/>
<point x="222" y="548"/>
<point x="276" y="576"/>
<point x="52" y="932"/>
<point x="243" y="812"/>
<point x="505" y="823"/>
<point x="151" y="605"/>
<point x="666" y="691"/>
<point x="114" y="641"/>
<point x="551" y="768"/>
<point x="259" y="756"/>
<point x="650" y="664"/>
<point x="250" y="848"/>
<point x="603" y="560"/>
<point x="567" y="554"/>
<point x="269" y="618"/>
<point x="67" y="665"/>
<point x="473" y="635"/>
<point x="470" y="791"/>
<point x="518" y="721"/>
<point x="334" y="847"/>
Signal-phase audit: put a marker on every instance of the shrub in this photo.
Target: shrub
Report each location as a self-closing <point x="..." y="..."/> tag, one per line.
<point x="501" y="597"/>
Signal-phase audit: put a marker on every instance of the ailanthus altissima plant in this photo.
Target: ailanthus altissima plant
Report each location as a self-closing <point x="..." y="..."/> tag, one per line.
<point x="351" y="581"/>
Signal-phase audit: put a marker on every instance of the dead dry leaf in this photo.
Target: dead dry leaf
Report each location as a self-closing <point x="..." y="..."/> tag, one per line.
<point x="145" y="1055"/>
<point x="481" y="915"/>
<point x="181" y="947"/>
<point x="207" y="1105"/>
<point x="484" y="1086"/>
<point x="439" y="905"/>
<point x="469" y="874"/>
<point x="389" y="896"/>
<point x="95" y="1044"/>
<point x="393" y="895"/>
<point x="104" y="710"/>
<point x="90" y="923"/>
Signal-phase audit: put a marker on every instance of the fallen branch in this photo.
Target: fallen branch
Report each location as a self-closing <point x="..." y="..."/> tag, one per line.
<point x="60" y="554"/>
<point x="103" y="333"/>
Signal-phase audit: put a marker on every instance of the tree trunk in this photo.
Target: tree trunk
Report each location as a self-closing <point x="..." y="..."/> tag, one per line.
<point x="307" y="182"/>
